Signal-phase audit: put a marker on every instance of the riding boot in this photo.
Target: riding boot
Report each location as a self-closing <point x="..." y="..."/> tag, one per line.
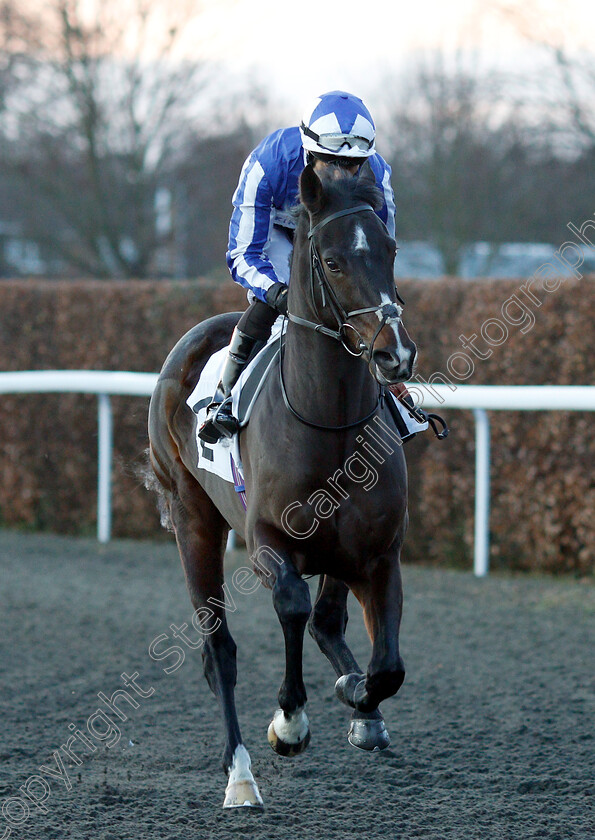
<point x="220" y="422"/>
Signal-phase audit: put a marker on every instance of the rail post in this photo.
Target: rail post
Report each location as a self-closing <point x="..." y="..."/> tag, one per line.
<point x="105" y="442"/>
<point x="481" y="554"/>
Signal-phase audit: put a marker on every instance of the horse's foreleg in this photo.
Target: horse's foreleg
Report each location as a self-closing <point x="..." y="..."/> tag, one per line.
<point x="200" y="534"/>
<point x="382" y="600"/>
<point x="289" y="731"/>
<point x="327" y="626"/>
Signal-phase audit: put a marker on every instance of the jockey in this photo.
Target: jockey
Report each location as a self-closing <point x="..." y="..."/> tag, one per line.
<point x="337" y="130"/>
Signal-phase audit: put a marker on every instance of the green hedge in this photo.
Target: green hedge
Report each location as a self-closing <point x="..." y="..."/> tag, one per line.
<point x="542" y="487"/>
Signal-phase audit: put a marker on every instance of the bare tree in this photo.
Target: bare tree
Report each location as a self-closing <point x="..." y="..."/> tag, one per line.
<point x="566" y="83"/>
<point x="479" y="156"/>
<point x="447" y="146"/>
<point x="204" y="194"/>
<point x="97" y="99"/>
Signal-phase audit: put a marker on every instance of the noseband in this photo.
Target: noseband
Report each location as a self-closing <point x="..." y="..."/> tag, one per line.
<point x="387" y="313"/>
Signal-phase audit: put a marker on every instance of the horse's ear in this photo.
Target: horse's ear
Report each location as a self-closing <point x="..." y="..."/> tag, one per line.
<point x="366" y="176"/>
<point x="311" y="190"/>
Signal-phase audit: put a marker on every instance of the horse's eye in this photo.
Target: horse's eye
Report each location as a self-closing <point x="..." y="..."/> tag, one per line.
<point x="332" y="266"/>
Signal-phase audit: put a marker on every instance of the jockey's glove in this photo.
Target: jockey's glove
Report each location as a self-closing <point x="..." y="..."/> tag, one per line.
<point x="276" y="297"/>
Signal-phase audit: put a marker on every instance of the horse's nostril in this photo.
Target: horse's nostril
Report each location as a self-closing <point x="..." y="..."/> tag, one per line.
<point x="385" y="360"/>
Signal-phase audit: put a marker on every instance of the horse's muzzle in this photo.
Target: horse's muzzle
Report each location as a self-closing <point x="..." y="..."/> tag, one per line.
<point x="391" y="366"/>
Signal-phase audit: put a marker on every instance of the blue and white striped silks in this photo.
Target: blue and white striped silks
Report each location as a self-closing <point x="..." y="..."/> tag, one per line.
<point x="267" y="190"/>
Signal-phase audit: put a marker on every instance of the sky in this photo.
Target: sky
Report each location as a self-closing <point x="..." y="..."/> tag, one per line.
<point x="299" y="50"/>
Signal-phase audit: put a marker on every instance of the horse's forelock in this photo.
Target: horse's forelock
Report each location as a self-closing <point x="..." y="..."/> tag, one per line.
<point x="352" y="187"/>
<point x="344" y="190"/>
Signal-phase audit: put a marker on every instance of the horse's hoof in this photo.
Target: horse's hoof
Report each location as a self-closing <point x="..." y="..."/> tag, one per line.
<point x="369" y="735"/>
<point x="289" y="735"/>
<point x="242" y="790"/>
<point x="345" y="688"/>
<point x="243" y="794"/>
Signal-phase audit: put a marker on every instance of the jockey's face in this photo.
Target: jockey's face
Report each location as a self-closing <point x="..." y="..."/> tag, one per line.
<point x="336" y="171"/>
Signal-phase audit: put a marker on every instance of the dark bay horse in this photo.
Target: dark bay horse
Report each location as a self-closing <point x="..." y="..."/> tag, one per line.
<point x="325" y="476"/>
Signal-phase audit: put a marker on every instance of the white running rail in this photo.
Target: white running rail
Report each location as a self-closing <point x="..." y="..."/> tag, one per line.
<point x="104" y="384"/>
<point x="478" y="398"/>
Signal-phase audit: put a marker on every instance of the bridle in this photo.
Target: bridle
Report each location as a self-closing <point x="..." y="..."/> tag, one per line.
<point x="387" y="313"/>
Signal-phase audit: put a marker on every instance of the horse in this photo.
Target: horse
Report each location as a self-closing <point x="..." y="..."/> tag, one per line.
<point x="325" y="476"/>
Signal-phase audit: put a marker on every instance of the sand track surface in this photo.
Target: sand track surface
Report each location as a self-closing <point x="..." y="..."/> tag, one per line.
<point x="492" y="732"/>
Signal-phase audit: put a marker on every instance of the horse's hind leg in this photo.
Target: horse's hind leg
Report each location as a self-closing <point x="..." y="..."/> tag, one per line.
<point x="200" y="534"/>
<point x="327" y="625"/>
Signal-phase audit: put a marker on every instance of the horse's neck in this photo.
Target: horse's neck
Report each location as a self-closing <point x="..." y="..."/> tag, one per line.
<point x="324" y="382"/>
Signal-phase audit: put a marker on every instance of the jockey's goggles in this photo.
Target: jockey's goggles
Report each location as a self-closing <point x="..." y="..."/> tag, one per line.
<point x="336" y="142"/>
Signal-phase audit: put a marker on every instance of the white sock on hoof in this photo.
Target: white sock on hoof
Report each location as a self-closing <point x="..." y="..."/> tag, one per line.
<point x="292" y="729"/>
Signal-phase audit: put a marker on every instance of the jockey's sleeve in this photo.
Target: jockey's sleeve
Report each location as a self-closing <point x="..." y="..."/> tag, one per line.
<point x="389" y="201"/>
<point x="249" y="230"/>
<point x="382" y="173"/>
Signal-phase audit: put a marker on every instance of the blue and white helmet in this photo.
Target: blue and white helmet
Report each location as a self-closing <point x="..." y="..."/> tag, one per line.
<point x="338" y="124"/>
